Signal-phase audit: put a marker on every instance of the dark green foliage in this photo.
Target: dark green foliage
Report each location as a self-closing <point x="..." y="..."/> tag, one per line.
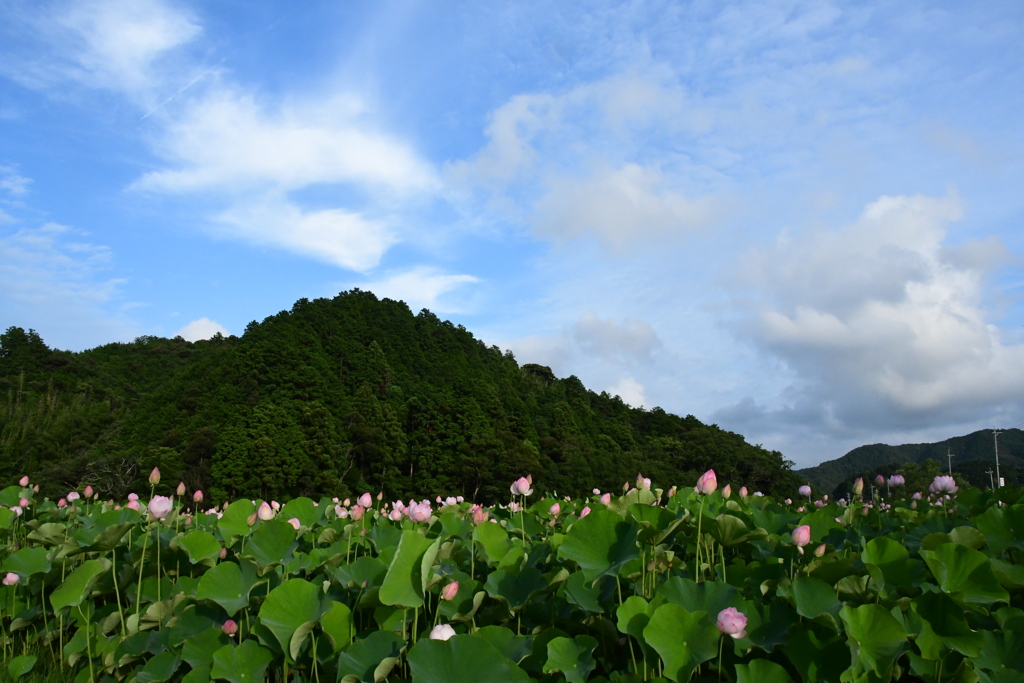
<point x="336" y="397"/>
<point x="973" y="455"/>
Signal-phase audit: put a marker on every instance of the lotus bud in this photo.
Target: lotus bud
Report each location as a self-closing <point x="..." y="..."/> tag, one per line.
<point x="154" y="476"/>
<point x="820" y="551"/>
<point x="805" y="491"/>
<point x="642" y="482"/>
<point x="801" y="535"/>
<point x="521" y="487"/>
<point x="365" y="500"/>
<point x="265" y="512"/>
<point x="597" y="492"/>
<point x="858" y="486"/>
<point x="134" y="505"/>
<point x="605" y="499"/>
<point x="197" y="497"/>
<point x="23" y="482"/>
<point x="274" y="504"/>
<point x="442" y="632"/>
<point x="11" y="578"/>
<point x="727" y="491"/>
<point x="743" y="492"/>
<point x="585" y="511"/>
<point x="708" y="482"/>
<point x="230" y="628"/>
<point x="181" y="489"/>
<point x="555" y="509"/>
<point x="62" y="503"/>
<point x="131" y="496"/>
<point x="252" y="519"/>
<point x="478" y="514"/>
<point x="35" y="489"/>
<point x="380" y="496"/>
<point x="17" y="510"/>
<point x="357" y="512"/>
<point x="223" y="553"/>
<point x="24" y="502"/>
<point x="450" y="591"/>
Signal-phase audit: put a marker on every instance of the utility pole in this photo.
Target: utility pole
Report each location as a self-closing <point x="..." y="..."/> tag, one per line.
<point x="995" y="436"/>
<point x="949" y="457"/>
<point x="991" y="484"/>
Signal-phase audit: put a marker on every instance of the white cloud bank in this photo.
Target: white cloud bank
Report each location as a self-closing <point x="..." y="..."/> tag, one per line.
<point x="204" y="328"/>
<point x="881" y="322"/>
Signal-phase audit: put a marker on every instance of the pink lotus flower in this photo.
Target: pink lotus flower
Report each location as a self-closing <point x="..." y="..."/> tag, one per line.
<point x="73" y="496"/>
<point x="366" y="500"/>
<point x="585" y="511"/>
<point x="134" y="505"/>
<point x="743" y="492"/>
<point x="294" y="521"/>
<point x="597" y="492"/>
<point x="805" y="491"/>
<point x="274" y="504"/>
<point x="606" y="499"/>
<point x="223" y="553"/>
<point x="265" y="512"/>
<point x="642" y="482"/>
<point x="858" y="486"/>
<point x="357" y="512"/>
<point x="450" y="591"/>
<point x="24" y="502"/>
<point x="555" y="509"/>
<point x="62" y="503"/>
<point x="732" y="622"/>
<point x="154" y="476"/>
<point x="160" y="507"/>
<point x="442" y="632"/>
<point x="88" y="492"/>
<point x="727" y="491"/>
<point x="341" y="512"/>
<point x="879" y="480"/>
<point x="708" y="482"/>
<point x="943" y="484"/>
<point x="478" y="514"/>
<point x="133" y="496"/>
<point x="896" y="481"/>
<point x="181" y="489"/>
<point x="230" y="628"/>
<point x="801" y="536"/>
<point x="820" y="550"/>
<point x="521" y="487"/>
<point x="17" y="510"/>
<point x="197" y="497"/>
<point x="23" y="482"/>
<point x="420" y="512"/>
<point x="11" y="578"/>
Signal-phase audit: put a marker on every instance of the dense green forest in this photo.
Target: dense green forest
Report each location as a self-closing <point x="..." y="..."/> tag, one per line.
<point x="973" y="457"/>
<point x="333" y="397"/>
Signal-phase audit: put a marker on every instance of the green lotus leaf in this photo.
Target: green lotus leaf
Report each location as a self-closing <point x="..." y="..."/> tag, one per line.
<point x="361" y="659"/>
<point x="336" y="622"/>
<point x="51" y="533"/>
<point x="11" y="496"/>
<point x="235" y="519"/>
<point x="813" y="597"/>
<point x="815" y="657"/>
<point x="515" y="647"/>
<point x="968" y="536"/>
<point x="272" y="543"/>
<point x="893" y="561"/>
<point x="515" y="589"/>
<point x="1010" y="576"/>
<point x="7" y="516"/>
<point x="21" y="665"/>
<point x="710" y="596"/>
<point x="26" y="561"/>
<point x="244" y="663"/>
<point x="228" y="584"/>
<point x="682" y="638"/>
<point x="198" y="650"/>
<point x="633" y="615"/>
<point x="78" y="584"/>
<point x="944" y="627"/>
<point x="1003" y="527"/>
<point x="574" y="657"/>
<point x="730" y="530"/>
<point x="965" y="574"/>
<point x="578" y="592"/>
<point x="876" y="638"/>
<point x="494" y="540"/>
<point x="198" y="675"/>
<point x="159" y="668"/>
<point x="461" y="659"/>
<point x="363" y="570"/>
<point x="1002" y="653"/>
<point x="600" y="543"/>
<point x="821" y="521"/>
<point x="656" y="523"/>
<point x="301" y="509"/>
<point x="201" y="546"/>
<point x="288" y="609"/>
<point x="762" y="671"/>
<point x="406" y="581"/>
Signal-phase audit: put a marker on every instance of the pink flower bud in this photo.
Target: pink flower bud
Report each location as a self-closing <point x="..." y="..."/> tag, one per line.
<point x="133" y="496"/>
<point x="23" y="502"/>
<point x="274" y="504"/>
<point x="365" y="500"/>
<point x="23" y="482"/>
<point x="858" y="486"/>
<point x="727" y="491"/>
<point x="11" y="578"/>
<point x="521" y="487"/>
<point x="801" y="535"/>
<point x="708" y="482"/>
<point x="265" y="512"/>
<point x="743" y="492"/>
<point x="223" y="553"/>
<point x="820" y="551"/>
<point x="62" y="503"/>
<point x="555" y="509"/>
<point x="252" y="519"/>
<point x="154" y="476"/>
<point x="442" y="632"/>
<point x="478" y="514"/>
<point x="606" y="499"/>
<point x="584" y="512"/>
<point x="450" y="591"/>
<point x="230" y="627"/>
<point x="197" y="497"/>
<point x="294" y="521"/>
<point x="357" y="512"/>
<point x="181" y="488"/>
<point x="732" y="622"/>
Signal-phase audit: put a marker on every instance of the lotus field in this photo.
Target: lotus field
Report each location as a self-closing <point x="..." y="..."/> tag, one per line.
<point x="698" y="583"/>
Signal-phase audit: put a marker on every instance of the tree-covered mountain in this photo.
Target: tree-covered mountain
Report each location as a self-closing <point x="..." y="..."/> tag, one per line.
<point x="973" y="455"/>
<point x="338" y="396"/>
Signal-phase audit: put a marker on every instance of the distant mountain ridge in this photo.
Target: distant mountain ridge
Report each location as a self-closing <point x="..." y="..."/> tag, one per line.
<point x="973" y="454"/>
<point x="335" y="397"/>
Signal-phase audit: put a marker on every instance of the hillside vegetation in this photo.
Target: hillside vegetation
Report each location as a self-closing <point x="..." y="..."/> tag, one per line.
<point x="338" y="396"/>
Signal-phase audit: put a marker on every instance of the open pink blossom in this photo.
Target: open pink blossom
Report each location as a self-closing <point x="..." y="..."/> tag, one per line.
<point x="708" y="482"/>
<point x="265" y="512"/>
<point x="420" y="512"/>
<point x="805" y="491"/>
<point x="11" y="578"/>
<point x="160" y="507"/>
<point x="442" y="632"/>
<point x="943" y="483"/>
<point x="357" y="512"/>
<point x="521" y="487"/>
<point x="732" y="622"/>
<point x="73" y="496"/>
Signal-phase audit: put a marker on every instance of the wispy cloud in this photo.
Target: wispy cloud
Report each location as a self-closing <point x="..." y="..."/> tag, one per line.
<point x="425" y="287"/>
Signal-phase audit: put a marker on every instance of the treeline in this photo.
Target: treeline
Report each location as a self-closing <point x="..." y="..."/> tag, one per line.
<point x="973" y="455"/>
<point x="335" y="397"/>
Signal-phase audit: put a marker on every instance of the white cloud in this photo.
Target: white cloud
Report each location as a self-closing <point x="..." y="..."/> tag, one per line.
<point x="621" y="207"/>
<point x="422" y="287"/>
<point x="881" y="322"/>
<point x="13" y="182"/>
<point x="53" y="281"/>
<point x="627" y="341"/>
<point x="630" y="391"/>
<point x="204" y="328"/>
<point x="227" y="140"/>
<point x="334" y="236"/>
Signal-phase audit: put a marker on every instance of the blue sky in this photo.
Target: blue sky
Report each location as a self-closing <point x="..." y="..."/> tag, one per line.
<point x="798" y="220"/>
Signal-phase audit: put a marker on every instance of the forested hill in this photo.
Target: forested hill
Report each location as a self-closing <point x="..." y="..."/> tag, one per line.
<point x="973" y="455"/>
<point x="339" y="396"/>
